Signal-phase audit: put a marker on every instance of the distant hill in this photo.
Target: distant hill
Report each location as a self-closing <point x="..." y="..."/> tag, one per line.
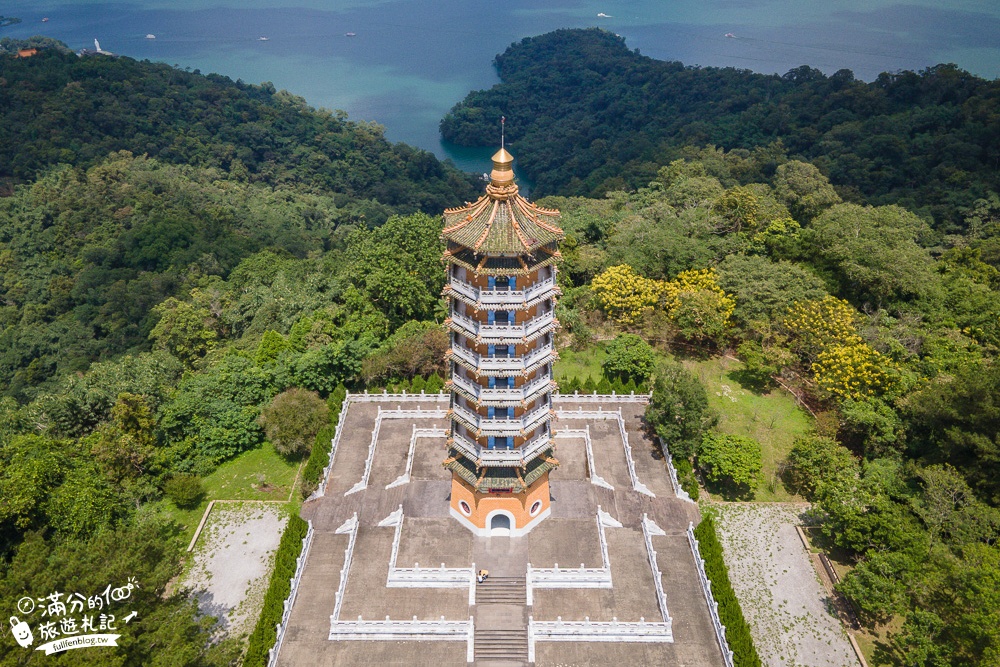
<point x="586" y="115"/>
<point x="58" y="108"/>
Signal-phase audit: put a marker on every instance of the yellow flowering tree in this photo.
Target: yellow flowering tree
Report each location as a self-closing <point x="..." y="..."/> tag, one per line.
<point x="818" y="324"/>
<point x="697" y="305"/>
<point x="624" y="295"/>
<point x="853" y="371"/>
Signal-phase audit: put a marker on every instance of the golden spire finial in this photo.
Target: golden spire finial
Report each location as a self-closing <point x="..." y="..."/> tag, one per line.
<point x="502" y="184"/>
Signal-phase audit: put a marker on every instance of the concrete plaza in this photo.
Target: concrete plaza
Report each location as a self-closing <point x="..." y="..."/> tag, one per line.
<point x="571" y="537"/>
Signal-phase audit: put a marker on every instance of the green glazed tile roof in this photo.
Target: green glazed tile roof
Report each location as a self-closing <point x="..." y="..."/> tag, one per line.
<point x="500" y="478"/>
<point x="501" y="222"/>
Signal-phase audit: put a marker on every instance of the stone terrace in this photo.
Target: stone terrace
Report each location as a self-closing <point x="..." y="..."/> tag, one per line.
<point x="430" y="537"/>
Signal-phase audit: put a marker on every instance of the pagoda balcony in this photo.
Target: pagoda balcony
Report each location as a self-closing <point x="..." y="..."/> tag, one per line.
<point x="498" y="298"/>
<point x="503" y="396"/>
<point x="500" y="457"/>
<point x="519" y="426"/>
<point x="505" y="366"/>
<point x="504" y="334"/>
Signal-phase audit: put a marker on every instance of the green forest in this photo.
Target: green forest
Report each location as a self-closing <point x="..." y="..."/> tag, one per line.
<point x="585" y="116"/>
<point x="193" y="270"/>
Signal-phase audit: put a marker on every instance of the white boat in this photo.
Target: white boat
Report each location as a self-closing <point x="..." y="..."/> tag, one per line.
<point x="263" y="39"/>
<point x="350" y="34"/>
<point x="602" y="15"/>
<point x="150" y="36"/>
<point x="730" y="35"/>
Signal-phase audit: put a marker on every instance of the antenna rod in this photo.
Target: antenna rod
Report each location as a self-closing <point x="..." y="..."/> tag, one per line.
<point x="503" y="120"/>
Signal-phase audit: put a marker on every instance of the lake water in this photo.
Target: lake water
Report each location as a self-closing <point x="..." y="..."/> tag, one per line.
<point x="409" y="61"/>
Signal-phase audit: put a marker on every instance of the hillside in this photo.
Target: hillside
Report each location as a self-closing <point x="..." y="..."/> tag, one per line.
<point x="586" y="115"/>
<point x="56" y="108"/>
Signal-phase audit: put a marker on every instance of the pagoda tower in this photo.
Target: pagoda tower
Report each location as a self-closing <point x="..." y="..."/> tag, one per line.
<point x="501" y="256"/>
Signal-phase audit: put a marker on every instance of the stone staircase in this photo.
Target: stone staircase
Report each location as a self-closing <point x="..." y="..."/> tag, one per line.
<point x="502" y="590"/>
<point x="503" y="646"/>
<point x="501" y="628"/>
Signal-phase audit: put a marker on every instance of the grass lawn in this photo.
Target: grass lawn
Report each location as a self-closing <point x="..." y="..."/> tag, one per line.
<point x="774" y="419"/>
<point x="580" y="363"/>
<point x="585" y="363"/>
<point x="259" y="474"/>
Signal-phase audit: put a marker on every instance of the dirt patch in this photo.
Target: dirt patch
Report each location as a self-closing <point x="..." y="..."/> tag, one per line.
<point x="233" y="561"/>
<point x="791" y="616"/>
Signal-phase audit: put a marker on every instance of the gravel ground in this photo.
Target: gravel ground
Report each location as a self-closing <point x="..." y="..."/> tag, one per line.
<point x="782" y="598"/>
<point x="233" y="560"/>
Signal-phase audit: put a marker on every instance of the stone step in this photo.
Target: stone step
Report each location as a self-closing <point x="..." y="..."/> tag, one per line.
<point x="502" y="645"/>
<point x="502" y="590"/>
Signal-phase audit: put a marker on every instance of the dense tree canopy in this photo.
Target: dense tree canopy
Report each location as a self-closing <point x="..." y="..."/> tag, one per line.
<point x="585" y="115"/>
<point x="56" y="108"/>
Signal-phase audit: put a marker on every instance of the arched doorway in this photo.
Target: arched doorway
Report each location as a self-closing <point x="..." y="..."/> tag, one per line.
<point x="500" y="525"/>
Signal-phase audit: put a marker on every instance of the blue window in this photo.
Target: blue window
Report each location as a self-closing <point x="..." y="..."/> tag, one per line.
<point x="491" y="350"/>
<point x="492" y="382"/>
<point x="510" y="382"/>
<point x="510" y="413"/>
<point x="492" y="282"/>
<point x="492" y="442"/>
<point x="491" y="316"/>
<point x="512" y="282"/>
<point x="491" y="412"/>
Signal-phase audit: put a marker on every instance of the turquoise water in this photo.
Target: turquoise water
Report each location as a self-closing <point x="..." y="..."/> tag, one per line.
<point x="410" y="61"/>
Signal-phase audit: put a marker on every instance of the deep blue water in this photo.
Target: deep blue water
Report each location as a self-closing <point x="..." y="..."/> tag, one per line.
<point x="411" y="60"/>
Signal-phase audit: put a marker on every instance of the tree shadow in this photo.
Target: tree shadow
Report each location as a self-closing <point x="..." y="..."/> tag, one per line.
<point x="752" y="382"/>
<point x="730" y="492"/>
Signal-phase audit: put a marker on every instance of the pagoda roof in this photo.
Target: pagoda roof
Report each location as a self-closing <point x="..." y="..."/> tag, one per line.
<point x="502" y="222"/>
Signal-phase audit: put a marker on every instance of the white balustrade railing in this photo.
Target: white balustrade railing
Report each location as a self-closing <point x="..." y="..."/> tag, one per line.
<point x="596" y="631"/>
<point x="523" y="394"/>
<point x="584" y="433"/>
<point x="414" y="435"/>
<point x="649" y="528"/>
<point x="674" y="481"/>
<point x="500" y="427"/>
<point x="349" y="527"/>
<point x="501" y="457"/>
<point x="575" y="577"/>
<point x="424" y="577"/>
<point x="363" y="484"/>
<point x="498" y="297"/>
<point x="615" y="415"/>
<point x="577" y="397"/>
<point x="713" y="606"/>
<point x="413" y="630"/>
<point x="398" y="413"/>
<point x="534" y="327"/>
<point x="422" y="397"/>
<point x="334" y="443"/>
<point x="300" y="563"/>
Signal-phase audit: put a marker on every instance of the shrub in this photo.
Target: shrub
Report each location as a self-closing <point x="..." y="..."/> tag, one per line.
<point x="685" y="475"/>
<point x="185" y="490"/>
<point x="735" y="459"/>
<point x="629" y="357"/>
<point x="293" y="419"/>
<point x="815" y="459"/>
<point x="319" y="455"/>
<point x="678" y="409"/>
<point x="265" y="632"/>
<point x="737" y="631"/>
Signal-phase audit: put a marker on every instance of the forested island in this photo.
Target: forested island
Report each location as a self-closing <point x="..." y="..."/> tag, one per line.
<point x="185" y="261"/>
